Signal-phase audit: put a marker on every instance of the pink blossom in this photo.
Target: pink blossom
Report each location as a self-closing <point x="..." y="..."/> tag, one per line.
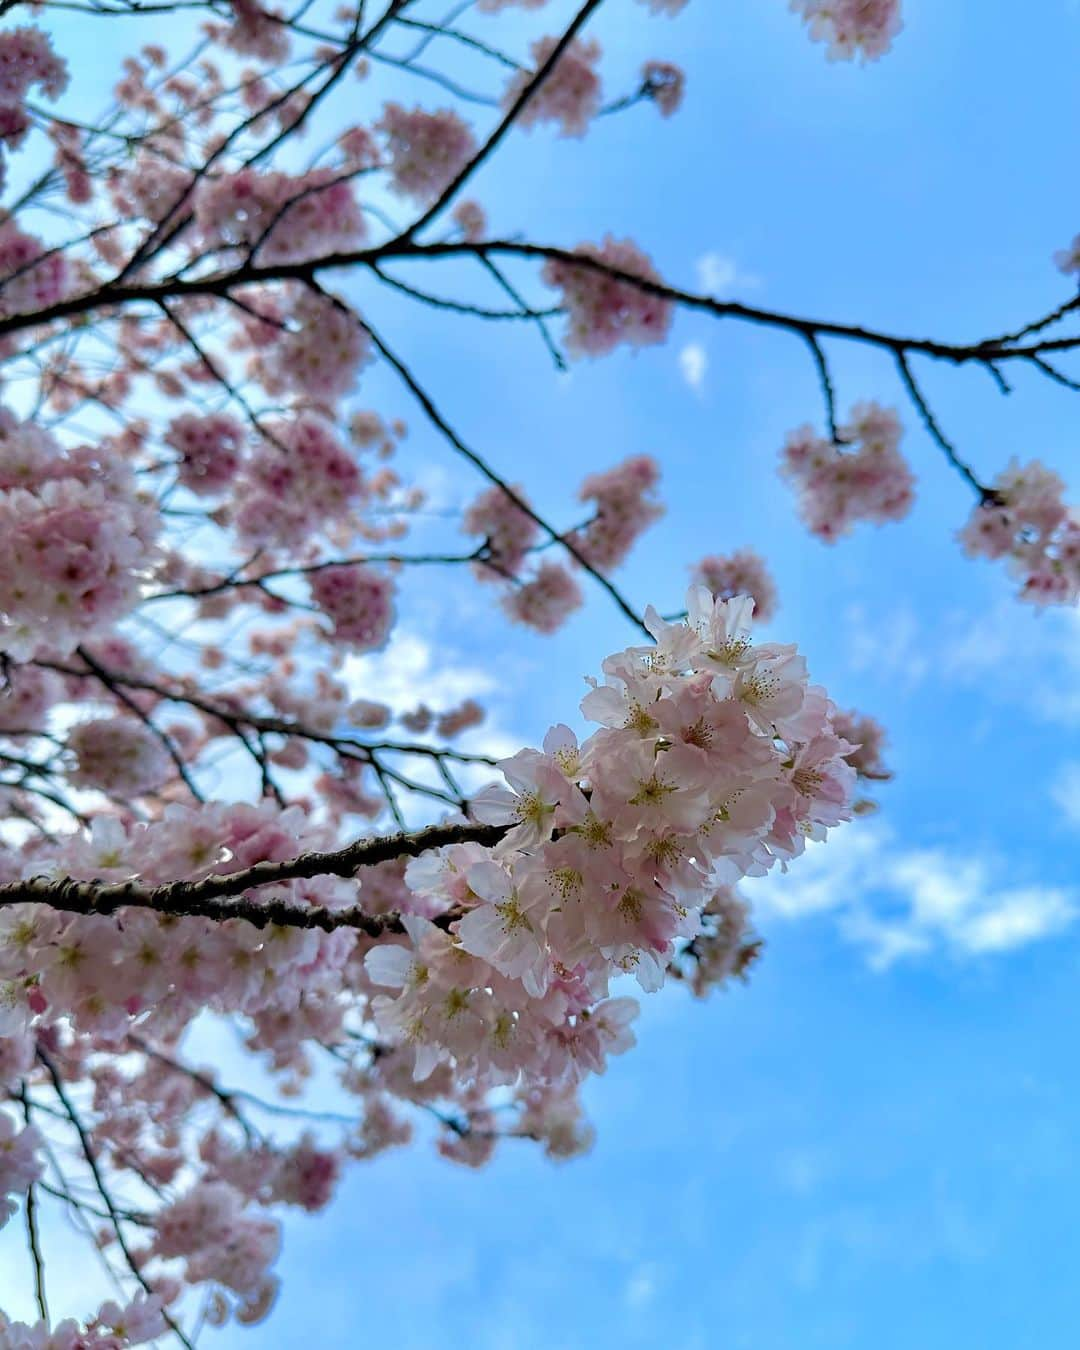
<point x="360" y="602"/>
<point x="119" y="756"/>
<point x="624" y="508"/>
<point x="665" y="84"/>
<point x="471" y="219"/>
<point x="301" y="482"/>
<point x="604" y="310"/>
<point x="852" y="27"/>
<point x="546" y="601"/>
<point x="508" y="531"/>
<point x="211" y="450"/>
<point x="740" y="573"/>
<point x="427" y="150"/>
<point x="287" y="218"/>
<point x="1068" y="259"/>
<point x="570" y="93"/>
<point x="74" y="543"/>
<point x="838" y="486"/>
<point x="1027" y="522"/>
<point x="867" y="738"/>
<point x="20" y="1162"/>
<point x="257" y="32"/>
<point x="31" y="276"/>
<point x="322" y="352"/>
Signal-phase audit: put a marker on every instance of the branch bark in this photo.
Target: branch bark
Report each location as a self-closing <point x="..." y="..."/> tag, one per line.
<point x="212" y="896"/>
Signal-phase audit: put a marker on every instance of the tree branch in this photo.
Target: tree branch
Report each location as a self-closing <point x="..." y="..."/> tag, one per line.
<point x="203" y="899"/>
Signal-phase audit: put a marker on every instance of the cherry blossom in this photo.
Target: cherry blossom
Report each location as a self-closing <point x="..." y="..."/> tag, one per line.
<point x="604" y="311"/>
<point x="118" y="755"/>
<point x="1025" y="521"/>
<point x="665" y="84"/>
<point x="570" y="94"/>
<point x="852" y="27"/>
<point x="740" y="573"/>
<point x="359" y="601"/>
<point x="75" y="540"/>
<point x="427" y="150"/>
<point x="838" y="486"/>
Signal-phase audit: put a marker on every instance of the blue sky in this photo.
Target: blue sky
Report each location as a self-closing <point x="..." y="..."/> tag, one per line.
<point x="873" y="1142"/>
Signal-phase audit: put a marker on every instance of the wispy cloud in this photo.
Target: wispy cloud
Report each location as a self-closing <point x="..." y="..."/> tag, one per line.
<point x="720" y="275"/>
<point x="893" y="645"/>
<point x="694" y="363"/>
<point x="1027" y="656"/>
<point x="896" y="903"/>
<point x="1066" y="792"/>
<point x="407" y="673"/>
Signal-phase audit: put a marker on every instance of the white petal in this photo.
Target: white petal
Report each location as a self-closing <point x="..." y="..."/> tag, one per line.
<point x="489" y="881"/>
<point x="389" y="965"/>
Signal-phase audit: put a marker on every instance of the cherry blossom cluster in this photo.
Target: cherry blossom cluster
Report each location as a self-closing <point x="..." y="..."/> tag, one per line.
<point x="542" y="600"/>
<point x="546" y="600"/>
<point x="278" y="217"/>
<point x="723" y="949"/>
<point x="604" y="311"/>
<point x="210" y="447"/>
<point x="1068" y="259"/>
<point x="76" y="539"/>
<point x="740" y="573"/>
<point x="112" y="1328"/>
<point x="31" y="276"/>
<point x="571" y="93"/>
<point x="427" y="150"/>
<point x="623" y="507"/>
<point x="715" y="758"/>
<point x="852" y="28"/>
<point x="20" y="1162"/>
<point x="320" y="355"/>
<point x="867" y="737"/>
<point x="665" y="84"/>
<point x="838" y="485"/>
<point x="359" y="601"/>
<point x="1026" y="521"/>
<point x="119" y="756"/>
<point x="296" y="484"/>
<point x="27" y="60"/>
<point x="101" y="972"/>
<point x="254" y="31"/>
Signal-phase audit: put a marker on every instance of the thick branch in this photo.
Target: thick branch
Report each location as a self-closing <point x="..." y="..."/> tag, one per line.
<point x="204" y="899"/>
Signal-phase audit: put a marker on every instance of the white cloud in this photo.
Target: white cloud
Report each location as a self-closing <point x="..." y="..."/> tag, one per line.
<point x="1066" y="792"/>
<point x="640" y="1288"/>
<point x="720" y="275"/>
<point x="410" y="672"/>
<point x="896" y="903"/>
<point x="405" y="673"/>
<point x="1025" y="655"/>
<point x="694" y="362"/>
<point x="893" y="646"/>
